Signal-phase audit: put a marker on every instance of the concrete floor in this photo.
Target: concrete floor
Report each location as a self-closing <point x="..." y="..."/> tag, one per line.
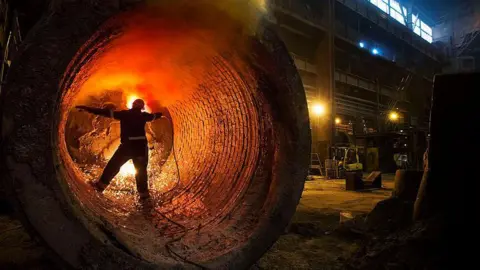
<point x="330" y="197"/>
<point x="308" y="243"/>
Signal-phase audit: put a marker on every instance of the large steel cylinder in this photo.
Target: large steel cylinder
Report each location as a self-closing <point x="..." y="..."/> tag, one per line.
<point x="226" y="173"/>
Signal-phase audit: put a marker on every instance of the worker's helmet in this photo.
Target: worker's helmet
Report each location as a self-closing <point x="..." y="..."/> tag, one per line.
<point x="138" y="104"/>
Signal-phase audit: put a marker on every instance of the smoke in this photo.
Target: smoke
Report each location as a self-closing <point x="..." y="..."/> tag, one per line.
<point x="166" y="48"/>
<point x="244" y="12"/>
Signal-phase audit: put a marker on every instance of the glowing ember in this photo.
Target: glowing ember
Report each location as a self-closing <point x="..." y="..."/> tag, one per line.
<point x="127" y="169"/>
<point x="131" y="99"/>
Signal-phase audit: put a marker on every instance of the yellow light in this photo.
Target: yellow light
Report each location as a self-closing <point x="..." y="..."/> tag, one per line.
<point x="318" y="109"/>
<point x="393" y="116"/>
<point x="127" y="169"/>
<point x="338" y="120"/>
<point x="131" y="99"/>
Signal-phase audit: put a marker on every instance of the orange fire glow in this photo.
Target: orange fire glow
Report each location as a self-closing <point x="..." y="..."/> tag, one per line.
<point x="164" y="53"/>
<point x="127" y="169"/>
<point x="131" y="99"/>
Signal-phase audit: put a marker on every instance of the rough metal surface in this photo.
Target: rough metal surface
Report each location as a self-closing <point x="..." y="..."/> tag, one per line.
<point x="263" y="203"/>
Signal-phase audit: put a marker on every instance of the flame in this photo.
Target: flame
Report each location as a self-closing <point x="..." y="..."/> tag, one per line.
<point x="167" y="48"/>
<point x="127" y="169"/>
<point x="131" y="99"/>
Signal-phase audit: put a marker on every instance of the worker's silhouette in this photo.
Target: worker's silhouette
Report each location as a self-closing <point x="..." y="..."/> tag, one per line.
<point x="133" y="145"/>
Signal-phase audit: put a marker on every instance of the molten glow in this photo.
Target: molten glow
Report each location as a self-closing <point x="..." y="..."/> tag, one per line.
<point x="318" y="109"/>
<point x="167" y="55"/>
<point x="393" y="116"/>
<point x="131" y="99"/>
<point x="166" y="50"/>
<point x="127" y="169"/>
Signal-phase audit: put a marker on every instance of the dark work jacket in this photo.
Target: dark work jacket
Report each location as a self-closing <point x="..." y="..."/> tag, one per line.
<point x="132" y="122"/>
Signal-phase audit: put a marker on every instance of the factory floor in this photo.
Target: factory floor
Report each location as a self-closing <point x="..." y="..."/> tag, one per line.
<point x="307" y="244"/>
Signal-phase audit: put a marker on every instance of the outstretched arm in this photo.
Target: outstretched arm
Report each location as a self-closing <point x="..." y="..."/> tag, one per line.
<point x="97" y="111"/>
<point x="153" y="116"/>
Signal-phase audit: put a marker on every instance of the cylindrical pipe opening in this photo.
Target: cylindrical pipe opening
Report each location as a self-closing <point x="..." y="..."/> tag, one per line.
<point x="226" y="166"/>
<point x="203" y="157"/>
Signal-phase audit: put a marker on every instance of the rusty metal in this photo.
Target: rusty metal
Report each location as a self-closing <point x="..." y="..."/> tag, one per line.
<point x="243" y="144"/>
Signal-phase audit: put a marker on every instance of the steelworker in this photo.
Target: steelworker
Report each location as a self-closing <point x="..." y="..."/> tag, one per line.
<point x="133" y="145"/>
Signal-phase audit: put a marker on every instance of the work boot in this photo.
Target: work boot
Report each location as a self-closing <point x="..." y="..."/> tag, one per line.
<point x="98" y="186"/>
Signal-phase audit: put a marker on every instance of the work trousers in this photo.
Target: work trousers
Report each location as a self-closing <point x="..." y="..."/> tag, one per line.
<point x="137" y="151"/>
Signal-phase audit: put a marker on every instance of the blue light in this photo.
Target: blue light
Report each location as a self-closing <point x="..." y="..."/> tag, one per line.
<point x="375" y="51"/>
<point x="361" y="44"/>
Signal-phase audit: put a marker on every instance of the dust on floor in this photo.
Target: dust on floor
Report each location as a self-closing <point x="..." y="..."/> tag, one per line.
<point x="310" y="242"/>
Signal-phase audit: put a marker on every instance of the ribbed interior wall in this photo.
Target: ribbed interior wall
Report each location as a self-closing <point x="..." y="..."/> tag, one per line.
<point x="223" y="147"/>
<point x="236" y="117"/>
<point x="216" y="135"/>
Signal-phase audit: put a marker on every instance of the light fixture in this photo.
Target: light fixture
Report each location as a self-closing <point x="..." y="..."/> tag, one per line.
<point x="318" y="109"/>
<point x="361" y="44"/>
<point x="338" y="120"/>
<point x="393" y="116"/>
<point x="375" y="51"/>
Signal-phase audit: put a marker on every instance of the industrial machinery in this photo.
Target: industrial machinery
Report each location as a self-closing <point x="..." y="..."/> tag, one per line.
<point x="348" y="159"/>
